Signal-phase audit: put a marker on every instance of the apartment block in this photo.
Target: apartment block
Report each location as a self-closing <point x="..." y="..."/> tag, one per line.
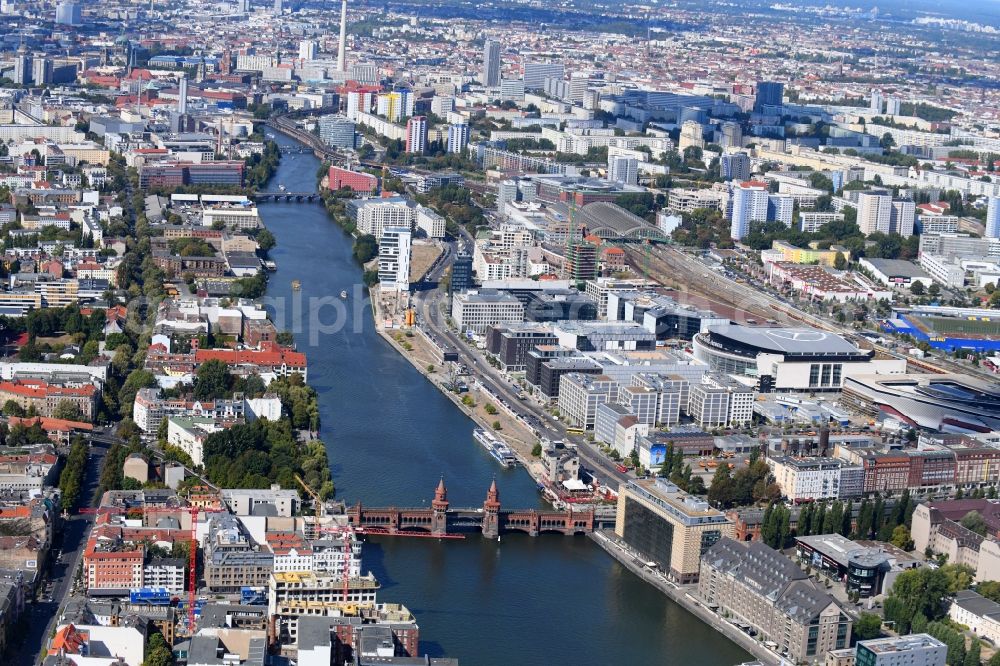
<point x="757" y="586"/>
<point x="807" y="479"/>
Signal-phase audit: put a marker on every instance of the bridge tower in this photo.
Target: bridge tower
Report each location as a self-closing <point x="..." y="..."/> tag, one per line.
<point x="491" y="513"/>
<point x="439" y="518"/>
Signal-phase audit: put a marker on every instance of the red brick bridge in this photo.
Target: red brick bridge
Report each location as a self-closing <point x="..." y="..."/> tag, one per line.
<point x="441" y="519"/>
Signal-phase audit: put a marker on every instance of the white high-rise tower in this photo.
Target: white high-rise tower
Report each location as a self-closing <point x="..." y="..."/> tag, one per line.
<point x="342" y="50"/>
<point x="182" y="95"/>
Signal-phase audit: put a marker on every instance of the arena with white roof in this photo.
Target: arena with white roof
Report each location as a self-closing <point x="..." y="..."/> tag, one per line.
<point x="789" y="359"/>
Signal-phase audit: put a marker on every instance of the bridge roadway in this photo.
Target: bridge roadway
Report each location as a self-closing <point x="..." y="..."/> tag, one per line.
<point x="441" y="519"/>
<point x="288" y="197"/>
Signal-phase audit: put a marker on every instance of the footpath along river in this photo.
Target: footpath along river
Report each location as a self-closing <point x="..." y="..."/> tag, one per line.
<point x="390" y="436"/>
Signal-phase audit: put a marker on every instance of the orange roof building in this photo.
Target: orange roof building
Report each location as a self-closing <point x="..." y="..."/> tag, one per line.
<point x="45" y="398"/>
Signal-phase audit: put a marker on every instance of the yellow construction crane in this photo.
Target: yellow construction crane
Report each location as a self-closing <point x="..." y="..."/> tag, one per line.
<point x="317" y="502"/>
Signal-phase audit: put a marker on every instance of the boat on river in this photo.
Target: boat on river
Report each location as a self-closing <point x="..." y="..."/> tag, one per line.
<point x="296" y="285"/>
<point x="495" y="446"/>
<point x="343" y="294"/>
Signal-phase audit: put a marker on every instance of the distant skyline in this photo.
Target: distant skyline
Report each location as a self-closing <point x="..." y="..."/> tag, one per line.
<point x="958" y="9"/>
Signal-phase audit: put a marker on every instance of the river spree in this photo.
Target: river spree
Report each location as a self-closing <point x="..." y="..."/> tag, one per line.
<point x="390" y="437"/>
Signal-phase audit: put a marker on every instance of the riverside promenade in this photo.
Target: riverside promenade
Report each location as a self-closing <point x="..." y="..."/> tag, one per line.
<point x="684" y="596"/>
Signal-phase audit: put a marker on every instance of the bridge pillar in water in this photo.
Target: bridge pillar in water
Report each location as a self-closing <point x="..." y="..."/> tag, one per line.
<point x="439" y="517"/>
<point x="534" y="523"/>
<point x="394" y="518"/>
<point x="491" y="513"/>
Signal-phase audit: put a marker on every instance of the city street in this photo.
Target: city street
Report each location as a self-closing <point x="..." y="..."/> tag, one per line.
<point x="40" y="617"/>
<point x="428" y="303"/>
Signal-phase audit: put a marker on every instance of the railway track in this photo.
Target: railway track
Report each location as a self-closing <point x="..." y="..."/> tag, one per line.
<point x="698" y="285"/>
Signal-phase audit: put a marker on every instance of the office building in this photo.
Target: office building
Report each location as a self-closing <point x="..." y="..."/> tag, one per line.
<point x="993" y="218"/>
<point x="604" y="336"/>
<point x="581" y="261"/>
<point x="892" y="105"/>
<point x="581" y="394"/>
<point x="750" y="204"/>
<point x="290" y="589"/>
<point x="507" y="190"/>
<point x="623" y="169"/>
<point x="461" y="274"/>
<point x="491" y="63"/>
<point x="735" y="166"/>
<point x="661" y="315"/>
<point x="719" y="401"/>
<point x="911" y="650"/>
<point x="868" y="572"/>
<point x="429" y="222"/>
<point x="458" y="137"/>
<point x="337" y="131"/>
<point x="769" y="94"/>
<point x="68" y="13"/>
<point x="980" y="614"/>
<point x="416" y="134"/>
<point x="511" y="343"/>
<point x="758" y="587"/>
<point x="308" y="48"/>
<point x="394" y="250"/>
<point x="279" y="7"/>
<point x="232" y="559"/>
<point x="668" y="526"/>
<point x="535" y="74"/>
<point x="616" y="426"/>
<point x="356" y="181"/>
<point x="875" y="212"/>
<point x="475" y="311"/>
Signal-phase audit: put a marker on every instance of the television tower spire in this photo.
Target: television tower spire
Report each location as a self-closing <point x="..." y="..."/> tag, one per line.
<point x="342" y="50"/>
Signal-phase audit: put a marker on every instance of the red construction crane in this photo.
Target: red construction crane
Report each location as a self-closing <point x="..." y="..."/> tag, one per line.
<point x="346" y="534"/>
<point x="193" y="511"/>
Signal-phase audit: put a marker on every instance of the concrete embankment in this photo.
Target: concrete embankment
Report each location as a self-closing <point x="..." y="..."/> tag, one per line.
<point x="518" y="437"/>
<point x="606" y="541"/>
<point x="683" y="596"/>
